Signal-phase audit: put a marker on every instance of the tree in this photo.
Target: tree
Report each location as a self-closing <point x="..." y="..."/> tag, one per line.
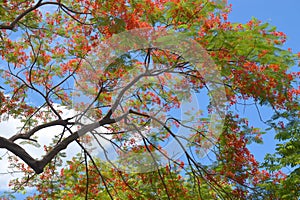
<point x="137" y="63"/>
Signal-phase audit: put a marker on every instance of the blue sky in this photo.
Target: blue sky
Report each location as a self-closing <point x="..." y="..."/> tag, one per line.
<point x="285" y="16"/>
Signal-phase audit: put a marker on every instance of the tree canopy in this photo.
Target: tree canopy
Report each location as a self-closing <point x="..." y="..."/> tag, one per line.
<point x="152" y="88"/>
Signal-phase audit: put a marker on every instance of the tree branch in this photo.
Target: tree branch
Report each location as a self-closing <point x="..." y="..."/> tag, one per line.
<point x="38" y="165"/>
<point x="37" y="128"/>
<point x="37" y="5"/>
<point x="13" y="24"/>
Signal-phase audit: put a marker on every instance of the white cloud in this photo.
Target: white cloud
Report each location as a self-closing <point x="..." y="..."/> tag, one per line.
<point x="8" y="128"/>
<point x="11" y="126"/>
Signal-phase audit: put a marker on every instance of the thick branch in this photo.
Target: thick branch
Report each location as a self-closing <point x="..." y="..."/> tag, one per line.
<point x="21" y="153"/>
<point x="37" y="128"/>
<point x="38" y="165"/>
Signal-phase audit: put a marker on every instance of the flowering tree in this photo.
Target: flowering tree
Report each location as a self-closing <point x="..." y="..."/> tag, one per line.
<point x="135" y="74"/>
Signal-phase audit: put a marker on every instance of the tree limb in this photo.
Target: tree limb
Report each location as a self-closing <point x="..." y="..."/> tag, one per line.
<point x="38" y="165"/>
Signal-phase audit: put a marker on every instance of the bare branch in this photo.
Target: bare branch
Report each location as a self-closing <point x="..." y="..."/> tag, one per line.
<point x="38" y="128"/>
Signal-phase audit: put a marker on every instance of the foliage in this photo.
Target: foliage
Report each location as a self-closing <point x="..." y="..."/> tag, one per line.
<point x="48" y="46"/>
